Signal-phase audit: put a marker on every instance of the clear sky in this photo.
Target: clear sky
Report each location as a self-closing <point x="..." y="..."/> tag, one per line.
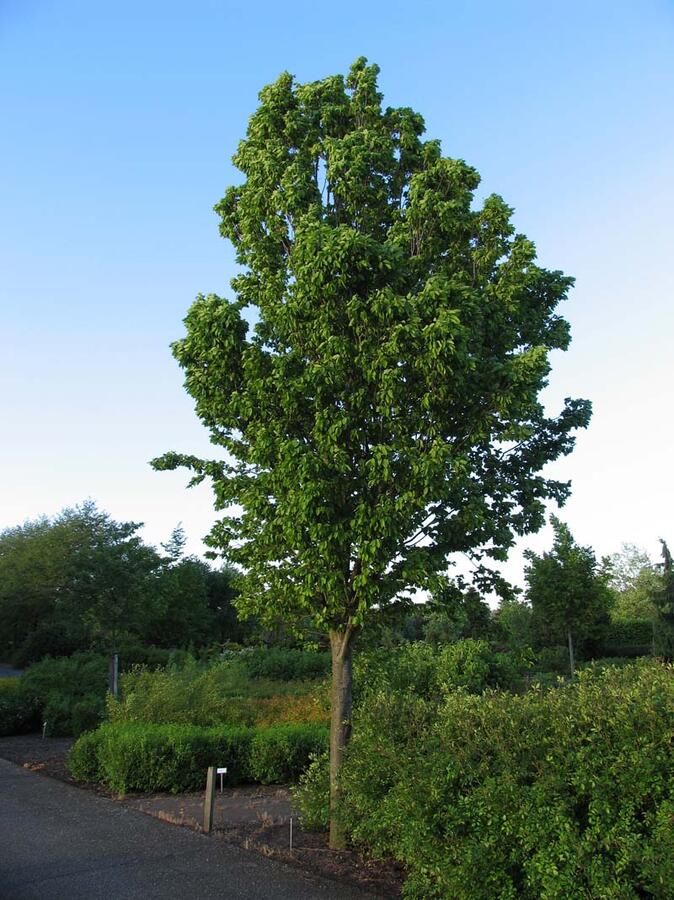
<point x="118" y="124"/>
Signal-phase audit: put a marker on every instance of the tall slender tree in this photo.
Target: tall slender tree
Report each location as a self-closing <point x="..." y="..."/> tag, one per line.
<point x="663" y="599"/>
<point x="568" y="590"/>
<point x="383" y="411"/>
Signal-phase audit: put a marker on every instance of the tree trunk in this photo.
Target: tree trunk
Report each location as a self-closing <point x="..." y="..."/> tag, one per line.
<point x="340" y="723"/>
<point x="572" y="660"/>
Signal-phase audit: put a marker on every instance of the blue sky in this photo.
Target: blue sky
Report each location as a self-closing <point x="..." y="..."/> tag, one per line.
<point x="119" y="121"/>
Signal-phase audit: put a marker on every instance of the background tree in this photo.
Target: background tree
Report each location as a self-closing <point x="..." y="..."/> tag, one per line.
<point x="454" y="614"/>
<point x="84" y="581"/>
<point x="383" y="413"/>
<point x="634" y="579"/>
<point x="663" y="599"/>
<point x="568" y="593"/>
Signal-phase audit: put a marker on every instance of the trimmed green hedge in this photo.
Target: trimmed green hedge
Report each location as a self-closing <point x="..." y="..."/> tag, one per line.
<point x="143" y="757"/>
<point x="629" y="638"/>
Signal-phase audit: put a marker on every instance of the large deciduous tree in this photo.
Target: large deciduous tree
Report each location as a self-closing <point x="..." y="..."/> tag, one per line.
<point x="383" y="412"/>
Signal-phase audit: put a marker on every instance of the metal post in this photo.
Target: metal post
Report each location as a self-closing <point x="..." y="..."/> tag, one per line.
<point x="209" y="800"/>
<point x="113" y="676"/>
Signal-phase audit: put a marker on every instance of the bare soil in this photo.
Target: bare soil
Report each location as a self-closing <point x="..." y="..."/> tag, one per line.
<point x="257" y="818"/>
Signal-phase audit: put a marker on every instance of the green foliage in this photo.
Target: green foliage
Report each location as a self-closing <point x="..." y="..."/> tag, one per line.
<point x="549" y="794"/>
<point x="217" y="694"/>
<point x="383" y="412"/>
<point x="85" y="582"/>
<point x="311" y="797"/>
<point x="83" y="757"/>
<point x="282" y="664"/>
<point x="628" y="637"/>
<point x="634" y="579"/>
<point x="429" y="672"/>
<point x="663" y="600"/>
<point x="453" y="614"/>
<point x="69" y="692"/>
<point x="19" y="713"/>
<point x="144" y="757"/>
<point x="568" y="593"/>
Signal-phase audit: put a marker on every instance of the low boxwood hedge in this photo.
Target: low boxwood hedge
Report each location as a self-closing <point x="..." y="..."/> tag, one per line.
<point x="133" y="756"/>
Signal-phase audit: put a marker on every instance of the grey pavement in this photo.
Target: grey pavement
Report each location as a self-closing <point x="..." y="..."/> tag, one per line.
<point x="58" y="842"/>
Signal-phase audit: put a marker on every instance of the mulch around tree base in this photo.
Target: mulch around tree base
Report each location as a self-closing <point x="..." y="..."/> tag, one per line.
<point x="254" y="817"/>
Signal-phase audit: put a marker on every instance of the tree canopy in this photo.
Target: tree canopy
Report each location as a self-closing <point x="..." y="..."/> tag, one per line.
<point x="383" y="413"/>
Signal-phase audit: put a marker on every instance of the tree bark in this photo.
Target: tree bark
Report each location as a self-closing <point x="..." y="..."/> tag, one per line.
<point x="340" y="723"/>
<point x="572" y="660"/>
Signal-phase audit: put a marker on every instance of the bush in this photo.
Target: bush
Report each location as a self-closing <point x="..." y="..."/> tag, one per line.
<point x="144" y="757"/>
<point x="628" y="638"/>
<point x="312" y="795"/>
<point x="550" y="794"/>
<point x="420" y="669"/>
<point x="285" y="665"/>
<point x="19" y="713"/>
<point x="280" y="754"/>
<point x="69" y="692"/>
<point x="221" y="694"/>
<point x="83" y="758"/>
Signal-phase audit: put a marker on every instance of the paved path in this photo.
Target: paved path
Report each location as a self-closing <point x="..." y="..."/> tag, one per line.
<point x="57" y="841"/>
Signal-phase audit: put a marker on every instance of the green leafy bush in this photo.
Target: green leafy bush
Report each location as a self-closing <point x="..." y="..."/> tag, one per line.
<point x="281" y="664"/>
<point x="83" y="758"/>
<point x="425" y="671"/>
<point x="146" y="757"/>
<point x="220" y="694"/>
<point x="19" y="713"/>
<point x="549" y="794"/>
<point x="312" y="794"/>
<point x="69" y="692"/>
<point x="632" y="637"/>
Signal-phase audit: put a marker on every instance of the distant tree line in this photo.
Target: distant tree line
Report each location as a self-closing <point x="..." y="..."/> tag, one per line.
<point x="83" y="581"/>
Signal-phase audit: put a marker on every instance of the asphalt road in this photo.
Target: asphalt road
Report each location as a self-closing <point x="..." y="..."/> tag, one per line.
<point x="57" y="842"/>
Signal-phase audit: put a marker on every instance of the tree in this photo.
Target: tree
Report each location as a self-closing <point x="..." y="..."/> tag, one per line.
<point x="663" y="599"/>
<point x="383" y="412"/>
<point x="634" y="578"/>
<point x="566" y="589"/>
<point x="72" y="582"/>
<point x="454" y="614"/>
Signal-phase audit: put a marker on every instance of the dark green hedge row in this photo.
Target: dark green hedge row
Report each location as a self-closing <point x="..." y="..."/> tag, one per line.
<point x="565" y="793"/>
<point x="630" y="638"/>
<point x="142" y="757"/>
<point x="280" y="664"/>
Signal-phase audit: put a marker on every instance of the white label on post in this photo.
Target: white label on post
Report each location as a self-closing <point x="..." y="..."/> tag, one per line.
<point x="221" y="771"/>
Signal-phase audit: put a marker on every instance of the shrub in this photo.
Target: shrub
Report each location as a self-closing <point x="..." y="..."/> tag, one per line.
<point x="285" y="665"/>
<point x="222" y="694"/>
<point x="19" y="713"/>
<point x="83" y="758"/>
<point x="280" y="754"/>
<point x="550" y="794"/>
<point x="628" y="638"/>
<point x="420" y="669"/>
<point x="312" y="795"/>
<point x="146" y="757"/>
<point x="69" y="692"/>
